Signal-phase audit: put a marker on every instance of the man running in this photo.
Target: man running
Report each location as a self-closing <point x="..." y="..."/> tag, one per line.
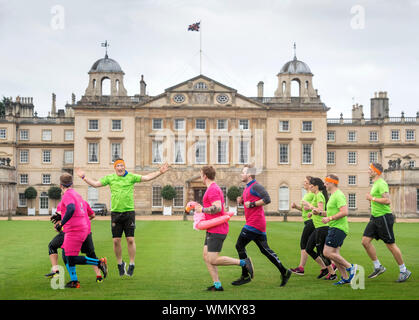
<point x="381" y="224"/>
<point x="336" y="216"/>
<point x="121" y="184"/>
<point x="213" y="206"/>
<point x="254" y="198"/>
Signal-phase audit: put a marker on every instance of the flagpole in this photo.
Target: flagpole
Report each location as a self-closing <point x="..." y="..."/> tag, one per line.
<point x="200" y="48"/>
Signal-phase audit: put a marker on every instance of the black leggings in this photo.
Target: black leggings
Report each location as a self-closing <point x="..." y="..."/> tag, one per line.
<point x="247" y="236"/>
<point x="317" y="240"/>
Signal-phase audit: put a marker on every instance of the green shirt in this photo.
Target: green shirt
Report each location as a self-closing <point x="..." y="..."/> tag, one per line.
<point x="317" y="219"/>
<point x="378" y="189"/>
<point x="307" y="197"/>
<point x="122" y="191"/>
<point x="336" y="201"/>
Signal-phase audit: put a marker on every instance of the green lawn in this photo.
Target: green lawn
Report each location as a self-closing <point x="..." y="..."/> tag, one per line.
<point x="169" y="265"/>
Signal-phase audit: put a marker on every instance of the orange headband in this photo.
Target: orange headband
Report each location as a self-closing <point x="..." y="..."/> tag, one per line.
<point x="375" y="169"/>
<point x="336" y="182"/>
<point x="118" y="162"/>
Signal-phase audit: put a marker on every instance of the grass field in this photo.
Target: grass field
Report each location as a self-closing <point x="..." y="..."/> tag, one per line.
<point x="169" y="265"/>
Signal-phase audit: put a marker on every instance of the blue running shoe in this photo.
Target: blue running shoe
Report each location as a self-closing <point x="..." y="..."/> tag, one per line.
<point x="341" y="282"/>
<point x="352" y="271"/>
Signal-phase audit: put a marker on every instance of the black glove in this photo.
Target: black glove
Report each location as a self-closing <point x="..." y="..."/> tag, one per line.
<point x="55" y="218"/>
<point x="58" y="227"/>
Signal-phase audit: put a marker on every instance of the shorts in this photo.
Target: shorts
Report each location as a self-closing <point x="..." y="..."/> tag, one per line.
<point x="214" y="241"/>
<point x="307" y="231"/>
<point x="88" y="248"/>
<point x="123" y="222"/>
<point x="381" y="228"/>
<point x="73" y="241"/>
<point x="335" y="237"/>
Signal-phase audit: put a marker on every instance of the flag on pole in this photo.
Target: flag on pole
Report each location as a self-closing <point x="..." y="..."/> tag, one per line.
<point x="194" y="27"/>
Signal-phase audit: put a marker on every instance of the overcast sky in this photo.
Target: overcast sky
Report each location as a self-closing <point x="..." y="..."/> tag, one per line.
<point x="353" y="48"/>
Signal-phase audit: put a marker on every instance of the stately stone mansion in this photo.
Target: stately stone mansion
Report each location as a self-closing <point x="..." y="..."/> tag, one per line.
<point x="198" y="122"/>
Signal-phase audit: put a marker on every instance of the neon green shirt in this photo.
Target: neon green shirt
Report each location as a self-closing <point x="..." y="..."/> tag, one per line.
<point x="378" y="189"/>
<point x="317" y="219"/>
<point x="336" y="201"/>
<point x="307" y="197"/>
<point x="122" y="190"/>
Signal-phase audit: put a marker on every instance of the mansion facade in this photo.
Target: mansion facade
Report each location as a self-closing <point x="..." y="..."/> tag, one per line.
<point x="288" y="136"/>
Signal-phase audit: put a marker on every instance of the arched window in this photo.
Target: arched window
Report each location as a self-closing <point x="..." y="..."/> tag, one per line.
<point x="284" y="87"/>
<point x="106" y="87"/>
<point x="295" y="88"/>
<point x="307" y="85"/>
<point x="284" y="198"/>
<point x="117" y="86"/>
<point x="94" y="83"/>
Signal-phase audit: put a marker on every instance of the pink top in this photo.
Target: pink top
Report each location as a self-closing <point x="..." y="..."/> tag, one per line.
<point x="78" y="222"/>
<point x="214" y="193"/>
<point x="255" y="217"/>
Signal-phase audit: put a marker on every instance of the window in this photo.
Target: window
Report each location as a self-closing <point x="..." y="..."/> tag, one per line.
<point x="157" y="151"/>
<point x="24" y="156"/>
<point x="331" y="157"/>
<point x="22" y="200"/>
<point x="93" y="152"/>
<point x="200" y="152"/>
<point x="178" y="200"/>
<point x="417" y="200"/>
<point x="157" y="200"/>
<point x="243" y="124"/>
<point x="395" y="135"/>
<point x="157" y="124"/>
<point x="68" y="156"/>
<point x="370" y="181"/>
<point x="352" y="180"/>
<point x="331" y="135"/>
<point x="46" y="135"/>
<point x="307" y="126"/>
<point x="200" y="85"/>
<point x="93" y="125"/>
<point x="284" y="126"/>
<point x="116" y="125"/>
<point x="92" y="195"/>
<point x="352" y="201"/>
<point x="116" y="151"/>
<point x="222" y="151"/>
<point x="24" y="134"/>
<point x="3" y="133"/>
<point x="284" y="153"/>
<point x="373" y="156"/>
<point x="43" y="200"/>
<point x="179" y="124"/>
<point x="410" y="135"/>
<point x="307" y="154"/>
<point x="284" y="196"/>
<point x="46" y="156"/>
<point x="224" y="190"/>
<point x="351" y="136"/>
<point x="412" y="163"/>
<point x="46" y="178"/>
<point x="68" y="135"/>
<point x="373" y="136"/>
<point x="222" y="98"/>
<point x="200" y="124"/>
<point x="23" y="178"/>
<point x="222" y="124"/>
<point x="179" y="151"/>
<point x="351" y="157"/>
<point x="243" y="152"/>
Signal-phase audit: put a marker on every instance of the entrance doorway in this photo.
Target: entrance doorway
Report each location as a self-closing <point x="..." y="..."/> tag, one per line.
<point x="199" y="194"/>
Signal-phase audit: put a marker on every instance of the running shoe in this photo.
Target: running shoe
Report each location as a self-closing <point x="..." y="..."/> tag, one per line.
<point x="241" y="280"/>
<point x="404" y="276"/>
<point x="285" y="278"/>
<point x="213" y="288"/>
<point x="330" y="277"/>
<point x="52" y="274"/>
<point x="352" y="271"/>
<point x="342" y="281"/>
<point x="122" y="269"/>
<point x="249" y="267"/>
<point x="73" y="285"/>
<point x="298" y="270"/>
<point x="103" y="266"/>
<point x="323" y="272"/>
<point x="99" y="279"/>
<point x="377" y="271"/>
<point x="130" y="271"/>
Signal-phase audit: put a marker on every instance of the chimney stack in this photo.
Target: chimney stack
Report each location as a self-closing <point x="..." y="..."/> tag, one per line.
<point x="260" y="89"/>
<point x="54" y="106"/>
<point x="143" y="86"/>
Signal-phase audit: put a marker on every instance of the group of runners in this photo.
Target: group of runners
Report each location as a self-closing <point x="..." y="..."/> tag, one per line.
<point x="324" y="211"/>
